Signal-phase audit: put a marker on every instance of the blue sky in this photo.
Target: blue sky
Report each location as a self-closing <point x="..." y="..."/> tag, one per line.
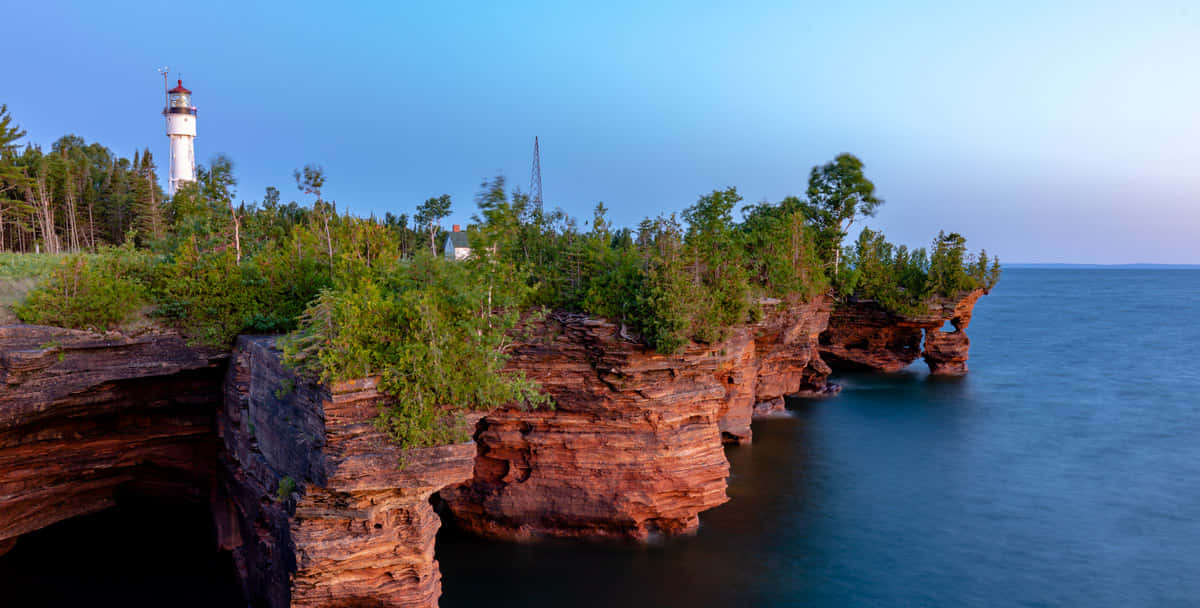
<point x="1045" y="132"/>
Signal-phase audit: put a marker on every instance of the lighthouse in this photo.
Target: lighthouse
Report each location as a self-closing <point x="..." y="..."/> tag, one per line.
<point x="181" y="130"/>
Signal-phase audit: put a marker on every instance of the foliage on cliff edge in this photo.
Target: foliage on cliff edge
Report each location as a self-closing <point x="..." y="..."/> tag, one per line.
<point x="369" y="296"/>
<point x="905" y="281"/>
<point x="435" y="332"/>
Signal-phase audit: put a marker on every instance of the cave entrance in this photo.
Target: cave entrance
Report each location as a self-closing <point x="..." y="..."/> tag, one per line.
<point x="143" y="552"/>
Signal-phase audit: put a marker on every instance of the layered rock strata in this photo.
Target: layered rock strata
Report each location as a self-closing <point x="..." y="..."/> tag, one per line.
<point x="633" y="447"/>
<point x="781" y="358"/>
<point x="946" y="352"/>
<point x="320" y="509"/>
<point x="326" y="510"/>
<point x="84" y="416"/>
<point x="862" y="335"/>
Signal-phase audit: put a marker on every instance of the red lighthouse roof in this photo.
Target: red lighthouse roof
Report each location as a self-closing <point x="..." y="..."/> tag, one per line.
<point x="179" y="89"/>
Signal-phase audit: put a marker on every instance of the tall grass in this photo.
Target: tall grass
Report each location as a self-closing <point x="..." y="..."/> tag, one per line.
<point x="26" y="265"/>
<point x="19" y="273"/>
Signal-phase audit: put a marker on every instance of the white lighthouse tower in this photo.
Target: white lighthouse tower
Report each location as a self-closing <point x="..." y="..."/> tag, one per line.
<point x="181" y="130"/>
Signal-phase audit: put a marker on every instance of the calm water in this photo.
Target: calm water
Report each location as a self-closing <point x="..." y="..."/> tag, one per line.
<point x="1063" y="471"/>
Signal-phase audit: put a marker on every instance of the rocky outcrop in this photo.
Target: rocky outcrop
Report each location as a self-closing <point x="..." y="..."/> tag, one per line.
<point x="633" y="447"/>
<point x="946" y="351"/>
<point x="326" y="511"/>
<point x="320" y="509"/>
<point x="781" y="358"/>
<point x="84" y="416"/>
<point x="862" y="335"/>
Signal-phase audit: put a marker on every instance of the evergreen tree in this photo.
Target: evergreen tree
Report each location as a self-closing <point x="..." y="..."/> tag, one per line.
<point x="13" y="180"/>
<point x="146" y="196"/>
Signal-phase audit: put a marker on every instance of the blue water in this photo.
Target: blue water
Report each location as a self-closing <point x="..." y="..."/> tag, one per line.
<point x="1064" y="470"/>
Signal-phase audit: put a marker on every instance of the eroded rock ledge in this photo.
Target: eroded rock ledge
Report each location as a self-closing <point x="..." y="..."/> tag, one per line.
<point x="633" y="447"/>
<point x="863" y="336"/>
<point x="83" y="416"/>
<point x="326" y="511"/>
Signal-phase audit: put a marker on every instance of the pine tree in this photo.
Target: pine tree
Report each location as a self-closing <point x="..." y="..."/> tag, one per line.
<point x="13" y="180"/>
<point x="146" y="197"/>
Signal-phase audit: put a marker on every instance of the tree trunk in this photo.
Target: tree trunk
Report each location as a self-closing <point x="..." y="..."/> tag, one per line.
<point x="329" y="243"/>
<point x="91" y="228"/>
<point x="837" y="251"/>
<point x="71" y="221"/>
<point x="237" y="233"/>
<point x="237" y="238"/>
<point x="44" y="214"/>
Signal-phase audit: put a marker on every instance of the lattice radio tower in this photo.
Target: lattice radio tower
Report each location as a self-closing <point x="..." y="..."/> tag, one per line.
<point x="535" y="176"/>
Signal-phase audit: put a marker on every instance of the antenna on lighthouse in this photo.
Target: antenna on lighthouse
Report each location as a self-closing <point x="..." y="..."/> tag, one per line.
<point x="164" y="71"/>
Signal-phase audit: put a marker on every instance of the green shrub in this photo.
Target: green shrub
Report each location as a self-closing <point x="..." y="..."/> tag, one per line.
<point x="436" y="332"/>
<point x="86" y="291"/>
<point x="661" y="308"/>
<point x="212" y="297"/>
<point x="284" y="491"/>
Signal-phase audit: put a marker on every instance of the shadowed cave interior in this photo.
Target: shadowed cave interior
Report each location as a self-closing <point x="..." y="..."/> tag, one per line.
<point x="143" y="552"/>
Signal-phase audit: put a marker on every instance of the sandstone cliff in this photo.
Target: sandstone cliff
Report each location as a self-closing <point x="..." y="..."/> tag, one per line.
<point x="634" y="445"/>
<point x="863" y="336"/>
<point x="320" y="509"/>
<point x="358" y="529"/>
<point x="83" y="416"/>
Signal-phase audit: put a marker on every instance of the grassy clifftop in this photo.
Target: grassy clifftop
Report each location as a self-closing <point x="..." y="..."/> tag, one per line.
<point x="19" y="273"/>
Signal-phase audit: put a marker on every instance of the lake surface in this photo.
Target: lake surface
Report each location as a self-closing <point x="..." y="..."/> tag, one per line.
<point x="1064" y="470"/>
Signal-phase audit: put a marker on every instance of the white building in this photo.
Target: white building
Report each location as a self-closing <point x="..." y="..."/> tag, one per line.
<point x="181" y="130"/>
<point x="458" y="247"/>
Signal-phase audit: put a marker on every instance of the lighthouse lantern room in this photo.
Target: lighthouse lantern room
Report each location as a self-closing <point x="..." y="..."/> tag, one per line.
<point x="181" y="130"/>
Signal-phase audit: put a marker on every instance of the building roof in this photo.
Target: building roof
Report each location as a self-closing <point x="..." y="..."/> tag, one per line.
<point x="179" y="89"/>
<point x="459" y="240"/>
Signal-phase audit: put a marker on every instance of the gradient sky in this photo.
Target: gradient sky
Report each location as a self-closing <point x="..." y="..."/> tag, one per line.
<point x="1064" y="133"/>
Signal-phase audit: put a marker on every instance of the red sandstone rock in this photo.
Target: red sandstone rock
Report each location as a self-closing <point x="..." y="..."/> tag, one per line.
<point x="83" y="415"/>
<point x="946" y="352"/>
<point x="863" y="336"/>
<point x="359" y="530"/>
<point x="784" y="360"/>
<point x="633" y="446"/>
